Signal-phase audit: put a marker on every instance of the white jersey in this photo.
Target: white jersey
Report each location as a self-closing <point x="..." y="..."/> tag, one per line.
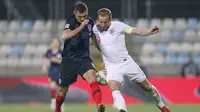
<point x="112" y="43"/>
<point x="115" y="55"/>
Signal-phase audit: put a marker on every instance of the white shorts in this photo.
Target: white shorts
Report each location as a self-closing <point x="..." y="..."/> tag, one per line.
<point x="127" y="68"/>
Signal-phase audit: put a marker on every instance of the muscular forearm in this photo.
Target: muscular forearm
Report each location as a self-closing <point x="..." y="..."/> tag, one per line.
<point x="141" y="31"/>
<point x="69" y="34"/>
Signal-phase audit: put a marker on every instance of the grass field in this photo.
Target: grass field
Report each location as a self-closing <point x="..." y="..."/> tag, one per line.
<point x="91" y="108"/>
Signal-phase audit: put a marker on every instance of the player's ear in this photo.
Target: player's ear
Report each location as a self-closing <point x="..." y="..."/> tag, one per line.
<point x="74" y="12"/>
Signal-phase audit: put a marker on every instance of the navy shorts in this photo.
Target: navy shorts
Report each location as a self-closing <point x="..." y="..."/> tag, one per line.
<point x="54" y="74"/>
<point x="71" y="69"/>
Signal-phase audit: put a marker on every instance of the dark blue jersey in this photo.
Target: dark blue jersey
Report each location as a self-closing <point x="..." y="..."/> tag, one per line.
<point x="77" y="47"/>
<point x="49" y="54"/>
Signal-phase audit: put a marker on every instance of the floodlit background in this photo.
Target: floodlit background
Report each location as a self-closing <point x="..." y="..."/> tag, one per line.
<point x="28" y="26"/>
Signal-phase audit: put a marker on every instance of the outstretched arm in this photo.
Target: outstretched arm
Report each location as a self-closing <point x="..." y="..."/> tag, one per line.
<point x="142" y="31"/>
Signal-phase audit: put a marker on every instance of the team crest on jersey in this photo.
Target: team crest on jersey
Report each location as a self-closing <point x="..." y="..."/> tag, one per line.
<point x="98" y="39"/>
<point x="111" y="31"/>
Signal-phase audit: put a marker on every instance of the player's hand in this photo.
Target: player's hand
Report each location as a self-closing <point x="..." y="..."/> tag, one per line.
<point x="84" y="23"/>
<point x="154" y="30"/>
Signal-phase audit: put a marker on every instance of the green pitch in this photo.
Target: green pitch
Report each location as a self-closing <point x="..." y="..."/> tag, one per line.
<point x="91" y="108"/>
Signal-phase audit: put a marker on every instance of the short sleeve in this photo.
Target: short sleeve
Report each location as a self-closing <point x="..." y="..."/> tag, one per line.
<point x="69" y="24"/>
<point x="123" y="28"/>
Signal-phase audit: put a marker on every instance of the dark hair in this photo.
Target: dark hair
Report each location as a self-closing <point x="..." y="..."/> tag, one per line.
<point x="80" y="7"/>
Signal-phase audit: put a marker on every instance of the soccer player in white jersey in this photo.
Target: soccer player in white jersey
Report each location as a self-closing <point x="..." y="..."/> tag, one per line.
<point x="110" y="39"/>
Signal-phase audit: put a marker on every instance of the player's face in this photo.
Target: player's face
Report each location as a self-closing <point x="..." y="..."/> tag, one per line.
<point x="104" y="22"/>
<point x="80" y="17"/>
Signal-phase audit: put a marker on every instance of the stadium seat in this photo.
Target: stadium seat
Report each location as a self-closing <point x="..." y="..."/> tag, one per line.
<point x="30" y="49"/>
<point x="61" y="25"/>
<point x="22" y="37"/>
<point x="170" y="58"/>
<point x="3" y="61"/>
<point x="148" y="48"/>
<point x="198" y="25"/>
<point x="17" y="49"/>
<point x="3" y="26"/>
<point x="14" y="26"/>
<point x="190" y="35"/>
<point x="158" y="58"/>
<point x="130" y="22"/>
<point x="142" y="23"/>
<point x="152" y="38"/>
<point x="37" y="61"/>
<point x="42" y="48"/>
<point x="192" y="23"/>
<point x="155" y="22"/>
<point x="5" y="49"/>
<point x="34" y="37"/>
<point x="173" y="47"/>
<point x="13" y="61"/>
<point x="161" y="47"/>
<point x="180" y="24"/>
<point x="197" y="59"/>
<point x="46" y="37"/>
<point x="1" y="38"/>
<point x="27" y="26"/>
<point x="198" y="36"/>
<point x="49" y="25"/>
<point x="39" y="26"/>
<point x="139" y="39"/>
<point x="25" y="61"/>
<point x="10" y="38"/>
<point x="168" y="23"/>
<point x="147" y="60"/>
<point x="182" y="58"/>
<point x="186" y="47"/>
<point x="177" y="36"/>
<point x="196" y="47"/>
<point x="164" y="36"/>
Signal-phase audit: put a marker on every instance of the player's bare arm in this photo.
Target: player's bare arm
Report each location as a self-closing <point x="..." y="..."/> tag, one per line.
<point x="68" y="34"/>
<point x="145" y="31"/>
<point x="45" y="64"/>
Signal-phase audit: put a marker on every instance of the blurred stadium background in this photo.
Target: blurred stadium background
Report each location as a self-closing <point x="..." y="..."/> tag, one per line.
<point x="28" y="26"/>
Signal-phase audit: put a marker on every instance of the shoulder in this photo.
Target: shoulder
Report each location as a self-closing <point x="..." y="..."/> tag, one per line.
<point x="116" y="23"/>
<point x="71" y="20"/>
<point x="95" y="29"/>
<point x="91" y="21"/>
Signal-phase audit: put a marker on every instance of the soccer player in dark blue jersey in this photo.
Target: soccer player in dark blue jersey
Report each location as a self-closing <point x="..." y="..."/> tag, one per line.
<point x="53" y="55"/>
<point x="76" y="56"/>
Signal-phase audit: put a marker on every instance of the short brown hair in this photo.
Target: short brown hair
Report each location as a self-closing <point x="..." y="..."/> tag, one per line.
<point x="104" y="12"/>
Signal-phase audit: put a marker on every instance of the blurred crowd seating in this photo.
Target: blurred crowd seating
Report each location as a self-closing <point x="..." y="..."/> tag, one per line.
<point x="178" y="38"/>
<point x="23" y="43"/>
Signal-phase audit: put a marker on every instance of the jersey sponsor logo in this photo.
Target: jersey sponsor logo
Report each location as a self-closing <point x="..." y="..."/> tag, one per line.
<point x="67" y="25"/>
